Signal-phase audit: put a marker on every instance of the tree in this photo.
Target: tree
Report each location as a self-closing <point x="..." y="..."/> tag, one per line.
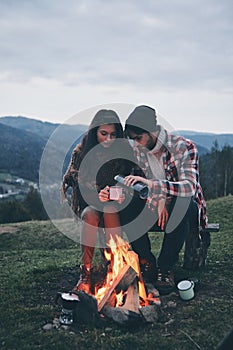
<point x="13" y="211"/>
<point x="226" y="169"/>
<point x="34" y="205"/>
<point x="216" y="172"/>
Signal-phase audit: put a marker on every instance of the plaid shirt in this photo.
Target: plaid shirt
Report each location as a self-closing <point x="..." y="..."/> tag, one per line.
<point x="181" y="168"/>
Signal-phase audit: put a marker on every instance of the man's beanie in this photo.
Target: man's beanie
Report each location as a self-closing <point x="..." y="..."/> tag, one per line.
<point x="143" y="117"/>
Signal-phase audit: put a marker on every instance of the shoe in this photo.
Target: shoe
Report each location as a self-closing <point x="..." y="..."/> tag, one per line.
<point x="84" y="282"/>
<point x="148" y="271"/>
<point x="165" y="281"/>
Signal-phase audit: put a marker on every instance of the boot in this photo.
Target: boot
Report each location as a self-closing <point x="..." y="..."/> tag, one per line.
<point x="165" y="281"/>
<point x="84" y="282"/>
<point x="148" y="270"/>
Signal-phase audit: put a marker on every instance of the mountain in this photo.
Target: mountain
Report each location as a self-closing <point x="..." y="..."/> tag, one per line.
<point x="38" y="127"/>
<point x="207" y="140"/>
<point x="23" y="140"/>
<point x="20" y="152"/>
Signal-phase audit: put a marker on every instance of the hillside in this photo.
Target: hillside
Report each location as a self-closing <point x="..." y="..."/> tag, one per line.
<point x="43" y="129"/>
<point x="38" y="261"/>
<point x="207" y="140"/>
<point x="38" y="127"/>
<point x="23" y="140"/>
<point x="20" y="152"/>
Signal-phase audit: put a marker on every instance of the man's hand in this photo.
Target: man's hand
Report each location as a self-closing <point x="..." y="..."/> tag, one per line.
<point x="163" y="213"/>
<point x="130" y="180"/>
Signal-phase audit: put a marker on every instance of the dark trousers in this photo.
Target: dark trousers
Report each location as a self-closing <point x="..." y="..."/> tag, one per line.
<point x="183" y="217"/>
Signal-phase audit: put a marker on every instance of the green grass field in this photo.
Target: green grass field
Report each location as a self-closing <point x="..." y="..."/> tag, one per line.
<point x="37" y="261"/>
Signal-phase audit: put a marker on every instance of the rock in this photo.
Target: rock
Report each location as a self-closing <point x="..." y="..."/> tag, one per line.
<point x="121" y="316"/>
<point x="171" y="304"/>
<point x="150" y="313"/>
<point x="47" y="327"/>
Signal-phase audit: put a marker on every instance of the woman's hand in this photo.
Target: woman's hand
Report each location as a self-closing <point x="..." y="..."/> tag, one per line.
<point x="121" y="199"/>
<point x="104" y="194"/>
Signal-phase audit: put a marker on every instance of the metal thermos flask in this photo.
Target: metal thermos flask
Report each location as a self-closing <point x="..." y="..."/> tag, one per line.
<point x="140" y="188"/>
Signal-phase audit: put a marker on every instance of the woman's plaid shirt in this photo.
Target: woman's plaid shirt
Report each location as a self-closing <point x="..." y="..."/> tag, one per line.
<point x="181" y="167"/>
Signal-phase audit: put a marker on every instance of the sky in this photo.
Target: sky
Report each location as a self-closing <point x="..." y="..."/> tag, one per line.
<point x="59" y="58"/>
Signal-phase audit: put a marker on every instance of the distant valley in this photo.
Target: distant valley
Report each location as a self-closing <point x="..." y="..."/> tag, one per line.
<point x="23" y="140"/>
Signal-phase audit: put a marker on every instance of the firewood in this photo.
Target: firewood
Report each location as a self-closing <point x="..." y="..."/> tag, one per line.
<point x="128" y="278"/>
<point x="132" y="298"/>
<point x="113" y="286"/>
<point x="134" y="262"/>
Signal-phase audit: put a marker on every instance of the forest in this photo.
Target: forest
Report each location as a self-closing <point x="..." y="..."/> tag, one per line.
<point x="216" y="172"/>
<point x="216" y="177"/>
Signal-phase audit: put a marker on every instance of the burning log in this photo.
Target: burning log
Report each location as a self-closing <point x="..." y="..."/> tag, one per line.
<point x="134" y="262"/>
<point x="121" y="282"/>
<point x="152" y="295"/>
<point x="132" y="301"/>
<point x="127" y="279"/>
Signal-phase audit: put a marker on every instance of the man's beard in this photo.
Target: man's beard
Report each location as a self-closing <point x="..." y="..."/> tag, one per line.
<point x="151" y="143"/>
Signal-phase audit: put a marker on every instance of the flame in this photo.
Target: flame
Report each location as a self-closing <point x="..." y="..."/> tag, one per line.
<point x="119" y="256"/>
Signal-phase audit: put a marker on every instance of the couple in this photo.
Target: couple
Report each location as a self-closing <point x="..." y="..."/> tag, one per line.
<point x="166" y="163"/>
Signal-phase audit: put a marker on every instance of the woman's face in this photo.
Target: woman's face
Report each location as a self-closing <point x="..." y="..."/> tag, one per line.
<point x="106" y="134"/>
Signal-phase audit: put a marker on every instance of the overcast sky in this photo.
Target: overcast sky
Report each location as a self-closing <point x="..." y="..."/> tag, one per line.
<point x="59" y="57"/>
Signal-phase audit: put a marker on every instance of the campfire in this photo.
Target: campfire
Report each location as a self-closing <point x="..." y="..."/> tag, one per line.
<point x="124" y="283"/>
<point x="123" y="297"/>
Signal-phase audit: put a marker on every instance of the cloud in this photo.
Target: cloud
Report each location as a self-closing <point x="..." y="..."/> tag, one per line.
<point x="168" y="44"/>
<point x="58" y="57"/>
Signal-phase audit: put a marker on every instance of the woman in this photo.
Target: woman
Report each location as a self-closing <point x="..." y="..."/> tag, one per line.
<point x="95" y="162"/>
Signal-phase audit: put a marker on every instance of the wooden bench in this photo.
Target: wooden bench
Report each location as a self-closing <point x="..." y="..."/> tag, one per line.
<point x="211" y="228"/>
<point x="196" y="248"/>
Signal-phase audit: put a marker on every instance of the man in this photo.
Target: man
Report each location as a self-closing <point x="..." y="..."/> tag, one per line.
<point x="175" y="199"/>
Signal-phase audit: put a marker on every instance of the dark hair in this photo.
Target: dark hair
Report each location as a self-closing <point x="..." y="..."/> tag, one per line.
<point x="102" y="117"/>
<point x="142" y="120"/>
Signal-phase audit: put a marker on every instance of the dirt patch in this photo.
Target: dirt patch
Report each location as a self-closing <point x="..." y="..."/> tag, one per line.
<point x="8" y="229"/>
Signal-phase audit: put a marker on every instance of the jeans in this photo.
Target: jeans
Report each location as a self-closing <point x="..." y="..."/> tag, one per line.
<point x="175" y="233"/>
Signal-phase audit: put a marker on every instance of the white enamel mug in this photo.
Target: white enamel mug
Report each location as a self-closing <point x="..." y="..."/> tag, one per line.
<point x="115" y="192"/>
<point x="186" y="289"/>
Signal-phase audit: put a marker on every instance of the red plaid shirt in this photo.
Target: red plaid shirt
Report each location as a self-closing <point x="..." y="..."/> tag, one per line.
<point x="181" y="168"/>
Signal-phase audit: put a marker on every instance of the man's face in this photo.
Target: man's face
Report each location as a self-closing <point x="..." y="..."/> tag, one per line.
<point x="145" y="139"/>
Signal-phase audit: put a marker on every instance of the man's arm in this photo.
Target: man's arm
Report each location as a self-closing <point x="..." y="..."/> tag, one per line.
<point x="184" y="176"/>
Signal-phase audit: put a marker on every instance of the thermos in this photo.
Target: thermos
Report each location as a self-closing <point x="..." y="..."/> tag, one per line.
<point x="140" y="188"/>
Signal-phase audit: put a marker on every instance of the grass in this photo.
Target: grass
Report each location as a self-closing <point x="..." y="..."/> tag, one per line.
<point x="37" y="261"/>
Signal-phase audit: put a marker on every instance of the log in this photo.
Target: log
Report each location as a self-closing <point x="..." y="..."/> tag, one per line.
<point x="128" y="278"/>
<point x="134" y="262"/>
<point x="132" y="302"/>
<point x="111" y="288"/>
<point x="152" y="295"/>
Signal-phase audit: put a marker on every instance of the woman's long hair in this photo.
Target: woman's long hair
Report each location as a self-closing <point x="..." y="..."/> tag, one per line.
<point x="102" y="117"/>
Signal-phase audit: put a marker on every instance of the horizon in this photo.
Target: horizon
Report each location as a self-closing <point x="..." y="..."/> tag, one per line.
<point x="82" y="123"/>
